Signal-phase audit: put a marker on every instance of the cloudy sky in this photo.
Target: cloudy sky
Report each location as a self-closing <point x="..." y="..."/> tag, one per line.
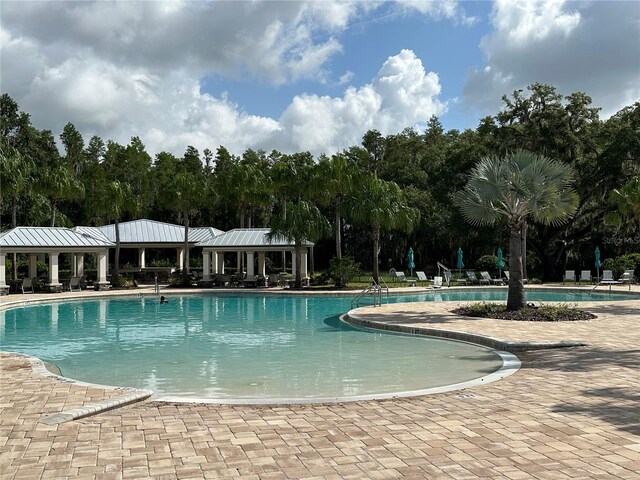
<point x="303" y="75"/>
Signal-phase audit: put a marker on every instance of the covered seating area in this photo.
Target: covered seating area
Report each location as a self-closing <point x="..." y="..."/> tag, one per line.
<point x="52" y="242"/>
<point x="144" y="234"/>
<point x="249" y="245"/>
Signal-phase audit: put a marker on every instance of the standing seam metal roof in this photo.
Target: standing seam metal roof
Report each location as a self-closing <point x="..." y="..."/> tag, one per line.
<point x="150" y="231"/>
<point x="43" y="237"/>
<point x="246" y="237"/>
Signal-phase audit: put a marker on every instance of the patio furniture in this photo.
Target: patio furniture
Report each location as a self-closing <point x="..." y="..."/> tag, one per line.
<point x="471" y="276"/>
<point x="27" y="285"/>
<point x="422" y="277"/>
<point x="506" y="274"/>
<point x="627" y="277"/>
<point x="485" y="278"/>
<point x="74" y="283"/>
<point x="569" y="276"/>
<point x="585" y="276"/>
<point x="273" y="280"/>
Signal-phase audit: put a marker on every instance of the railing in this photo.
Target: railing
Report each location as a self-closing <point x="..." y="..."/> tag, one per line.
<point x="447" y="275"/>
<point x="374" y="290"/>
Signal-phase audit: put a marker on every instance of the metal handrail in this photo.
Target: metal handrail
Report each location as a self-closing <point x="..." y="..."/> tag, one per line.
<point x="384" y="285"/>
<point x="376" y="292"/>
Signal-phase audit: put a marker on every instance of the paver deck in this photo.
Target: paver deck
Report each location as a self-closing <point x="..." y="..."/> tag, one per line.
<point x="568" y="413"/>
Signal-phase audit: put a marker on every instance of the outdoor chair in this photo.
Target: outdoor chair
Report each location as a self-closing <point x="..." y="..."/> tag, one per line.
<point x="585" y="276"/>
<point x="74" y="283"/>
<point x="627" y="276"/>
<point x="485" y="278"/>
<point x="607" y="276"/>
<point x="569" y="276"/>
<point x="422" y="277"/>
<point x="273" y="280"/>
<point x="472" y="277"/>
<point x="27" y="285"/>
<point x="506" y="274"/>
<point x="400" y="276"/>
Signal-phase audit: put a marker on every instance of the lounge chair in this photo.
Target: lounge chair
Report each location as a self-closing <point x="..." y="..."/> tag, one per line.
<point x="607" y="276"/>
<point x="506" y="274"/>
<point x="472" y="277"/>
<point x="400" y="277"/>
<point x="422" y="277"/>
<point x="569" y="276"/>
<point x="585" y="276"/>
<point x="27" y="285"/>
<point x="627" y="276"/>
<point x="74" y="283"/>
<point x="485" y="278"/>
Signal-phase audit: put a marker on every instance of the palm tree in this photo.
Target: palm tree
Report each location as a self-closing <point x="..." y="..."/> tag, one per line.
<point x="59" y="183"/>
<point x="381" y="205"/>
<point x="15" y="173"/>
<point x="626" y="205"/>
<point x="302" y="223"/>
<point x="335" y="182"/>
<point x="513" y="188"/>
<point x="113" y="199"/>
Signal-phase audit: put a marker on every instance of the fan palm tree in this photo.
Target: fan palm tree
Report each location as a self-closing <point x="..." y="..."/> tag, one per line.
<point x="302" y="223"/>
<point x="382" y="206"/>
<point x="514" y="188"/>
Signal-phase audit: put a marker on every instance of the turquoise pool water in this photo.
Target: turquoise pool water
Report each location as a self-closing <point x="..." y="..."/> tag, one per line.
<point x="244" y="346"/>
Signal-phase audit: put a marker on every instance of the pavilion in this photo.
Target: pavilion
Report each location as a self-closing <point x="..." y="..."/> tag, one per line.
<point x="53" y="241"/>
<point x="247" y="241"/>
<point x="143" y="234"/>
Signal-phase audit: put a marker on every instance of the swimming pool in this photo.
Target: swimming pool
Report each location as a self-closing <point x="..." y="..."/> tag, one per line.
<point x="242" y="347"/>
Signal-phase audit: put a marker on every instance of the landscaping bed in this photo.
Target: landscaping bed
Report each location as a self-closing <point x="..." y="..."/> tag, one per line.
<point x="543" y="313"/>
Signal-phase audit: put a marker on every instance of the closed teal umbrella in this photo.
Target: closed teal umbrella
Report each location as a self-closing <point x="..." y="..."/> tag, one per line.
<point x="500" y="261"/>
<point x="460" y="264"/>
<point x="598" y="262"/>
<point x="411" y="264"/>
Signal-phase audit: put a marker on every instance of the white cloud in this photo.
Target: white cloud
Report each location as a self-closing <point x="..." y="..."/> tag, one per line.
<point x="118" y="69"/>
<point x="576" y="46"/>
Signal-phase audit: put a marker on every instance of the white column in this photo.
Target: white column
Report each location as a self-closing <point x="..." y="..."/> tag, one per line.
<point x="214" y="262"/>
<point x="220" y="262"/>
<point x="80" y="264"/>
<point x="293" y="263"/>
<point x="261" y="265"/>
<point x="141" y="258"/>
<point x="206" y="269"/>
<point x="53" y="269"/>
<point x="3" y="278"/>
<point x="303" y="263"/>
<point x="33" y="265"/>
<point x="179" y="258"/>
<point x="102" y="267"/>
<point x="74" y="265"/>
<point x="250" y="271"/>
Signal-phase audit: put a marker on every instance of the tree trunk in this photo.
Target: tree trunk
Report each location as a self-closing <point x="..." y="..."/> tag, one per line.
<point x="298" y="273"/>
<point x="338" y="235"/>
<point x="523" y="236"/>
<point x="116" y="263"/>
<point x="14" y="224"/>
<point x="185" y="265"/>
<point x="516" y="298"/>
<point x="53" y="213"/>
<point x="376" y="252"/>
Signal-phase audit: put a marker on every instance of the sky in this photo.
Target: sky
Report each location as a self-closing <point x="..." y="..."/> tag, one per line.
<point x="303" y="75"/>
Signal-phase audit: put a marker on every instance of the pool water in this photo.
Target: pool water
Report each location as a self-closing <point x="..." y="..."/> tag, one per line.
<point x="243" y="346"/>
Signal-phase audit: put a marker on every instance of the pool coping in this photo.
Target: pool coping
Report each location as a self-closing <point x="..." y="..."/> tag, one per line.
<point x="497" y="344"/>
<point x="132" y="394"/>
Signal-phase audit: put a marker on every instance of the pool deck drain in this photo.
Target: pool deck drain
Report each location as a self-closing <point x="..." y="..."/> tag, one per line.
<point x="568" y="413"/>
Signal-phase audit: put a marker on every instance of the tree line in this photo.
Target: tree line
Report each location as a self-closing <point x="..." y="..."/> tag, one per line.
<point x="371" y="201"/>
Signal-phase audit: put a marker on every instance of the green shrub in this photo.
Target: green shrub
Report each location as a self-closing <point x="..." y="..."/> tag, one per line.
<point x="342" y="270"/>
<point x="489" y="263"/>
<point x="621" y="263"/>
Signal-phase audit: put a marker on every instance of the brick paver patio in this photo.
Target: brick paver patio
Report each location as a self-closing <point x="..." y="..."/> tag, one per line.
<point x="568" y="413"/>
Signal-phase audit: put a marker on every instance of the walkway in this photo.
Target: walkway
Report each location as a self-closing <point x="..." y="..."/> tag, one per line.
<point x="568" y="413"/>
